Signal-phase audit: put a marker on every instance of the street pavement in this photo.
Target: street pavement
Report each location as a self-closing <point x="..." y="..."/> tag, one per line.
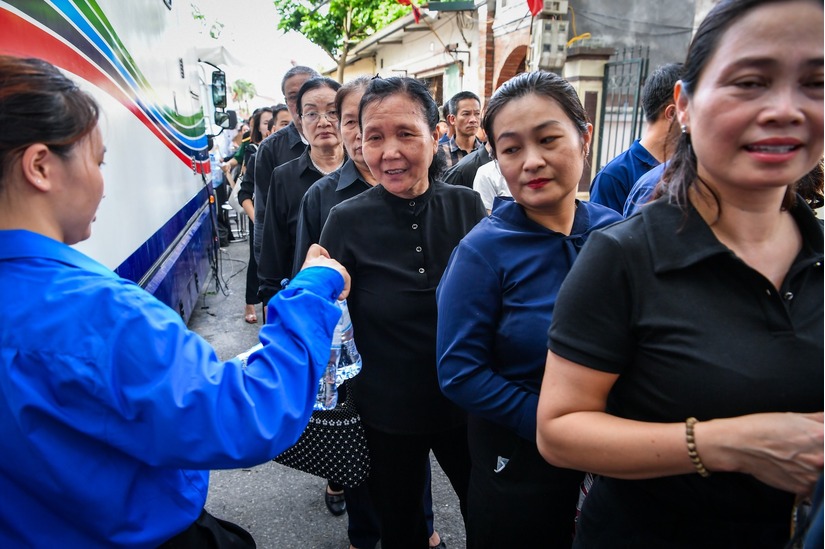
<point x="279" y="506"/>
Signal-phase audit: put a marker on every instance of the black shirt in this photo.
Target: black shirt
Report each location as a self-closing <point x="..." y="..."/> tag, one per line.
<point x="692" y="331"/>
<point x="277" y="149"/>
<point x="325" y="193"/>
<point x="464" y="172"/>
<point x="396" y="250"/>
<point x="289" y="183"/>
<point x="247" y="190"/>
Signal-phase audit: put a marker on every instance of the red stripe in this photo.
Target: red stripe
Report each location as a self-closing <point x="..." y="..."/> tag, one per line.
<point x="21" y="38"/>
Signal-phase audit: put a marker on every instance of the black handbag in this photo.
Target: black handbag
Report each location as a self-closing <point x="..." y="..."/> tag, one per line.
<point x="333" y="446"/>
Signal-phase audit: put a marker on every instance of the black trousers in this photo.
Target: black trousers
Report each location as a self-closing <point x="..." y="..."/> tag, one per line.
<point x="525" y="502"/>
<point x="252" y="271"/>
<point x="209" y="532"/>
<point x="362" y="523"/>
<point x="399" y="477"/>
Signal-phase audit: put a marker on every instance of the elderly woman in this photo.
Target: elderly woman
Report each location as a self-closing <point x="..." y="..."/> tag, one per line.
<point x="686" y="351"/>
<point x="110" y="384"/>
<point x="496" y="300"/>
<point x="396" y="239"/>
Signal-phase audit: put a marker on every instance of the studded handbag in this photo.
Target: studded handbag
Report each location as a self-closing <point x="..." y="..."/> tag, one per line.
<point x="333" y="446"/>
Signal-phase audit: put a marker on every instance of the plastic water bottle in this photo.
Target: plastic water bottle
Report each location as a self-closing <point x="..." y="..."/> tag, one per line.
<point x="344" y="361"/>
<point x="349" y="359"/>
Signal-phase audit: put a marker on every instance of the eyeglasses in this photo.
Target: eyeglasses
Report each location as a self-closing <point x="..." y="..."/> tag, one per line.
<point x="313" y="117"/>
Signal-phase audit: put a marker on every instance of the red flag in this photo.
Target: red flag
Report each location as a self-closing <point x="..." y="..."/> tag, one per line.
<point x="416" y="11"/>
<point x="535" y="6"/>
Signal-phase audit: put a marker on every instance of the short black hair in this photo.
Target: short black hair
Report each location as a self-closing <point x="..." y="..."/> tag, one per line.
<point x="658" y="91"/>
<point x="461" y="96"/>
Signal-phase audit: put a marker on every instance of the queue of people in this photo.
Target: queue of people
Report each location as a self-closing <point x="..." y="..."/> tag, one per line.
<point x="582" y="379"/>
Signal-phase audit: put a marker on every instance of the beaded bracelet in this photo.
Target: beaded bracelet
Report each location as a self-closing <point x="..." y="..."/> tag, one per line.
<point x="691" y="448"/>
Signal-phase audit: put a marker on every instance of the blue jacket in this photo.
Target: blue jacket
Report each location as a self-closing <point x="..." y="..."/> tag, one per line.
<point x="495" y="304"/>
<point x="112" y="412"/>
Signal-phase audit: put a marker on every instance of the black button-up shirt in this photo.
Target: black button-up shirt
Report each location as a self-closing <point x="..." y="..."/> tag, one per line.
<point x="396" y="250"/>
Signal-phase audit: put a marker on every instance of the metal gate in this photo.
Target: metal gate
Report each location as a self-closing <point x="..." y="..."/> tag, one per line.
<point x="621" y="116"/>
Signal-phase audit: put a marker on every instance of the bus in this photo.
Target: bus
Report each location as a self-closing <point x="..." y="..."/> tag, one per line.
<point x="162" y="103"/>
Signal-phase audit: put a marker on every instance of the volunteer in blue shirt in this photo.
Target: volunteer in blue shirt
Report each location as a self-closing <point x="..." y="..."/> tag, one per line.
<point x="111" y="411"/>
<point x="496" y="301"/>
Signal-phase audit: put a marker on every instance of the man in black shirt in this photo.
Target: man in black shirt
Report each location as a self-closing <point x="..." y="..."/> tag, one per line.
<point x="277" y="149"/>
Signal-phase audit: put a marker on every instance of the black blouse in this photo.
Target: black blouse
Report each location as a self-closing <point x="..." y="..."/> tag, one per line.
<point x="289" y="183"/>
<point x="396" y="250"/>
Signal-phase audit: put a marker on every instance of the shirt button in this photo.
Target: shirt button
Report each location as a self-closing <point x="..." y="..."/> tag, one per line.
<point x="412" y="202"/>
<point x="788" y="296"/>
<point x="415" y="225"/>
<point x="768" y="291"/>
<point x="421" y="270"/>
<point x="418" y="248"/>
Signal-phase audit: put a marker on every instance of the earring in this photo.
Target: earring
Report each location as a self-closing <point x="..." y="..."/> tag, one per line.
<point x="684" y="128"/>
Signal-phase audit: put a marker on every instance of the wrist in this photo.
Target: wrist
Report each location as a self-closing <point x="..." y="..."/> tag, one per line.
<point x="714" y="440"/>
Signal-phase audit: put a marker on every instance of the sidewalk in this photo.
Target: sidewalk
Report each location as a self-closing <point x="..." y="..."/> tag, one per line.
<point x="279" y="506"/>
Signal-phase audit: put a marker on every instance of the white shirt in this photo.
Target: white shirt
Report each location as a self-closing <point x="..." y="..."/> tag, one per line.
<point x="489" y="183"/>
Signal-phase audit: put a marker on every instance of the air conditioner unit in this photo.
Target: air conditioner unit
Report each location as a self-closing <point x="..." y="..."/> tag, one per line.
<point x="549" y="44"/>
<point x="554" y="7"/>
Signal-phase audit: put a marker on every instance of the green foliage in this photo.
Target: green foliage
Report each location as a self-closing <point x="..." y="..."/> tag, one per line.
<point x="337" y="25"/>
<point x="243" y="89"/>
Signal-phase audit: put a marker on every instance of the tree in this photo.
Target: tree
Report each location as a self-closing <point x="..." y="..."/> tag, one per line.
<point x="337" y="25"/>
<point x="243" y="90"/>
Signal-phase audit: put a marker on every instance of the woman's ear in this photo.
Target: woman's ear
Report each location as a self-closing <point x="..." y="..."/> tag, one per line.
<point x="587" y="139"/>
<point x="35" y="163"/>
<point x="435" y="140"/>
<point x="681" y="98"/>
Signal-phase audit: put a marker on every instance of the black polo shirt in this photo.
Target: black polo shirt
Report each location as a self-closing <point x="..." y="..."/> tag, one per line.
<point x="396" y="250"/>
<point x="464" y="172"/>
<point x="289" y="183"/>
<point x="692" y="331"/>
<point x="277" y="149"/>
<point x="325" y="193"/>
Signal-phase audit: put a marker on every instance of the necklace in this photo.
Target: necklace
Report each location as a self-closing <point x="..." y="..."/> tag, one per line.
<point x="324" y="172"/>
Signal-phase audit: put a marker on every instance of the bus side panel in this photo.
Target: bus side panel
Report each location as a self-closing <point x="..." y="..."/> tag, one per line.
<point x="154" y="225"/>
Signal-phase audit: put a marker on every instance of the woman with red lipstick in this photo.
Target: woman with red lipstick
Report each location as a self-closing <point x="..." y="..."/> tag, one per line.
<point x="495" y="303"/>
<point x="686" y="350"/>
<point x="396" y="239"/>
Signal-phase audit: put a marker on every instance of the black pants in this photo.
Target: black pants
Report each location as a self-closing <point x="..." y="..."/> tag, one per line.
<point x="527" y="503"/>
<point x="399" y="476"/>
<point x="252" y="271"/>
<point x="209" y="532"/>
<point x="362" y="523"/>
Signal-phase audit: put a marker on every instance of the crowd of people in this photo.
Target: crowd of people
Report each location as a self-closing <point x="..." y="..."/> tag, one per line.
<point x="641" y="369"/>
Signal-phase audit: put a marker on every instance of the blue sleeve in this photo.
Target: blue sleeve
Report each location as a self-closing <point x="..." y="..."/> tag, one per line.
<point x="469" y="310"/>
<point x="608" y="191"/>
<point x="177" y="404"/>
<point x="642" y="190"/>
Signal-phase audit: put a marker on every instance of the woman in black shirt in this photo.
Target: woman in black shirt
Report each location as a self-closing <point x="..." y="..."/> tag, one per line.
<point x="395" y="239"/>
<point x="686" y="346"/>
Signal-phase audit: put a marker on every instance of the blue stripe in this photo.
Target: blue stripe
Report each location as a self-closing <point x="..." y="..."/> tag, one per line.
<point x="141" y="261"/>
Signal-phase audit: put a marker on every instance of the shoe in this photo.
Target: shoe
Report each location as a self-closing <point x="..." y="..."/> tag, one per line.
<point x="336" y="503"/>
<point x="441" y="545"/>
